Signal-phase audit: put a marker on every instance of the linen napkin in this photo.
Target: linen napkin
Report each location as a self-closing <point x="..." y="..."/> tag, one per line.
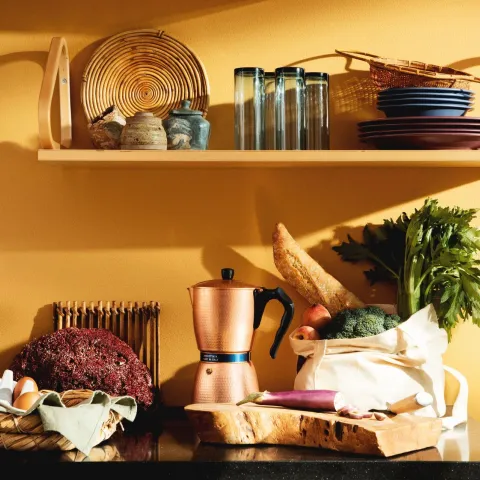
<point x="81" y="423"/>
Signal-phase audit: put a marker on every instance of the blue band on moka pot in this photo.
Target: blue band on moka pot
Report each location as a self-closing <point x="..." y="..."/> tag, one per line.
<point x="224" y="357"/>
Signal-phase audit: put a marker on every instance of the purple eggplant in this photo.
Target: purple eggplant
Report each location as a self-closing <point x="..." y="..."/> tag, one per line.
<point x="326" y="400"/>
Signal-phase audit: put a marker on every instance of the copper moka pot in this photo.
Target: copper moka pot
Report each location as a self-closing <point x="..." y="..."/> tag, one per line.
<point x="226" y="314"/>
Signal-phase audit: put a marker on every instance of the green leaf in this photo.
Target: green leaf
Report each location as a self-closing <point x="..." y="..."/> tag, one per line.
<point x="433" y="256"/>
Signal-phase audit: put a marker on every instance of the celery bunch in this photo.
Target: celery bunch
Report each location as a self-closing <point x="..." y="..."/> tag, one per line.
<point x="432" y="258"/>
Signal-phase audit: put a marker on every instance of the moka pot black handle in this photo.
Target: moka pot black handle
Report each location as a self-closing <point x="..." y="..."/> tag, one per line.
<point x="261" y="297"/>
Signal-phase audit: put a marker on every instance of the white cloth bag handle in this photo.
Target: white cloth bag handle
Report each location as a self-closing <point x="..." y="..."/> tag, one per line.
<point x="460" y="406"/>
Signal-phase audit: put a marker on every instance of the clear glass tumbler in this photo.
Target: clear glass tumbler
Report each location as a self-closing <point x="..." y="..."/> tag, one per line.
<point x="290" y="108"/>
<point x="316" y="110"/>
<point x="249" y="108"/>
<point x="269" y="110"/>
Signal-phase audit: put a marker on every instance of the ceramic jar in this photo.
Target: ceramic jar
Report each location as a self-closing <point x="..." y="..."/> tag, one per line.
<point x="143" y="131"/>
<point x="106" y="129"/>
<point x="187" y="129"/>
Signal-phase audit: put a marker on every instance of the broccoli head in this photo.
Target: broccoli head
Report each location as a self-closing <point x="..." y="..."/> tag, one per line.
<point x="359" y="322"/>
<point x="391" y="321"/>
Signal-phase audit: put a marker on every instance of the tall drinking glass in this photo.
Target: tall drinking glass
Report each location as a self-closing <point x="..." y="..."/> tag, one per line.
<point x="249" y="108"/>
<point x="269" y="110"/>
<point x="290" y="108"/>
<point x="318" y="128"/>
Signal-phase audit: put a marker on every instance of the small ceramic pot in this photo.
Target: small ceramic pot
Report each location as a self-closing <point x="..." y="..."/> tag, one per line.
<point x="143" y="131"/>
<point x="106" y="129"/>
<point x="186" y="128"/>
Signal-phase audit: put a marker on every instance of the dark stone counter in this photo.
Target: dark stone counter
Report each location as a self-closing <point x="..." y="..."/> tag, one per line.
<point x="171" y="450"/>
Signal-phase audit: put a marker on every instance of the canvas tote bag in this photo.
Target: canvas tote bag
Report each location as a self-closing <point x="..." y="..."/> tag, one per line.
<point x="373" y="372"/>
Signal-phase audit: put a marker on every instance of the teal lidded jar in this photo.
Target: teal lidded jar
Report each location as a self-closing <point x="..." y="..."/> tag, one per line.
<point x="187" y="129"/>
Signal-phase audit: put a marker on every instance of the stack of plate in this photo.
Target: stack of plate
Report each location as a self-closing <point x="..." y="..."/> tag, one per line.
<point x="423" y="118"/>
<point x="425" y="133"/>
<point x="419" y="101"/>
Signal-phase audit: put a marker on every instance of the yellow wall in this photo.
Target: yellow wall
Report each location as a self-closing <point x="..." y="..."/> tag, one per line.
<point x="146" y="235"/>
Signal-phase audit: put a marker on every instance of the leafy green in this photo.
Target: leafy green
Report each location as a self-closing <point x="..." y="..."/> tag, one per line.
<point x="432" y="258"/>
<point x="383" y="246"/>
<point x="359" y="322"/>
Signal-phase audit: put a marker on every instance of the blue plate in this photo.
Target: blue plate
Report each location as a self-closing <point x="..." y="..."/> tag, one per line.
<point x="424" y="100"/>
<point x="426" y="89"/>
<point x="453" y="96"/>
<point x="427" y="110"/>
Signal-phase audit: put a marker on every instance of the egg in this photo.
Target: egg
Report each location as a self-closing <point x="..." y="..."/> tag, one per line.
<point x="20" y="384"/>
<point x="25" y="401"/>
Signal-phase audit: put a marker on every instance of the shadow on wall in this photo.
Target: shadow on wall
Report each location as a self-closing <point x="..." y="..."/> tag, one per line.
<point x="352" y="100"/>
<point x="8" y="354"/>
<point x="465" y="64"/>
<point x="221" y="117"/>
<point x="81" y="138"/>
<point x="179" y="388"/>
<point x="43" y="322"/>
<point x="91" y="16"/>
<point x="39" y="58"/>
<point x="240" y="206"/>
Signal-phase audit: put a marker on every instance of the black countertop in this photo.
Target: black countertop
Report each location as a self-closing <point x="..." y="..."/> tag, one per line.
<point x="172" y="450"/>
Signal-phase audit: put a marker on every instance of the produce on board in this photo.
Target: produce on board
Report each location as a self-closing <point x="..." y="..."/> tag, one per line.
<point x="311" y="400"/>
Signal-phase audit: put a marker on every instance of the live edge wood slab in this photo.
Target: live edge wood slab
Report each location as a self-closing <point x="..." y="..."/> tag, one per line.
<point x="254" y="424"/>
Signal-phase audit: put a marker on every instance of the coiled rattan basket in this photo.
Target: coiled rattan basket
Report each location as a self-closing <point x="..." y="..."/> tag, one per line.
<point x="391" y="73"/>
<point x="26" y="433"/>
<point x="143" y="70"/>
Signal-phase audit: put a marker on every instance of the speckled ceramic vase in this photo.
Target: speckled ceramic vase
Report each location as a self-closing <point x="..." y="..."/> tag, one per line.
<point x="143" y="131"/>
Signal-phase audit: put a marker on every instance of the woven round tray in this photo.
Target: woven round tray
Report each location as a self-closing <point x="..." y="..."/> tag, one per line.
<point x="26" y="433"/>
<point x="143" y="70"/>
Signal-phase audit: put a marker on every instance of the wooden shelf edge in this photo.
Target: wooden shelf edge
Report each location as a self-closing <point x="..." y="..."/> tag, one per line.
<point x="270" y="159"/>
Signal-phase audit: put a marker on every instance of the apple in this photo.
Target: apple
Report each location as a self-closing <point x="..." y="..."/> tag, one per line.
<point x="316" y="316"/>
<point x="306" y="333"/>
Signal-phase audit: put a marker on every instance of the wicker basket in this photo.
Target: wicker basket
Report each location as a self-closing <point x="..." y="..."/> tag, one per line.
<point x="26" y="433"/>
<point x="143" y="70"/>
<point x="390" y="73"/>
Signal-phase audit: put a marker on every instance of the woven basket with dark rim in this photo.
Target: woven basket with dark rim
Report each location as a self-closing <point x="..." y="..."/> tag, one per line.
<point x="143" y="70"/>
<point x="390" y="73"/>
<point x="26" y="433"/>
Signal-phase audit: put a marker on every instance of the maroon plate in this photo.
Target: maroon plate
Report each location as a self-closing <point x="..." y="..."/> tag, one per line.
<point x="425" y="141"/>
<point x="415" y="126"/>
<point x="381" y="121"/>
<point x="416" y="130"/>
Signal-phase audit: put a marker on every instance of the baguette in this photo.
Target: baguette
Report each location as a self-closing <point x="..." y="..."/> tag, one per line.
<point x="308" y="278"/>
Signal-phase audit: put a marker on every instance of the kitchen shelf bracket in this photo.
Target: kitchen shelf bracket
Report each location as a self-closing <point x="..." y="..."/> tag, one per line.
<point x="58" y="66"/>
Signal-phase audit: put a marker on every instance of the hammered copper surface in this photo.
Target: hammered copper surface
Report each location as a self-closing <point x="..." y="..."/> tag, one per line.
<point x="223" y="319"/>
<point x="224" y="382"/>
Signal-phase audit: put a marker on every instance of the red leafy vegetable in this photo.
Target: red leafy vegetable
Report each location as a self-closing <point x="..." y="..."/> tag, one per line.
<point x="91" y="358"/>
